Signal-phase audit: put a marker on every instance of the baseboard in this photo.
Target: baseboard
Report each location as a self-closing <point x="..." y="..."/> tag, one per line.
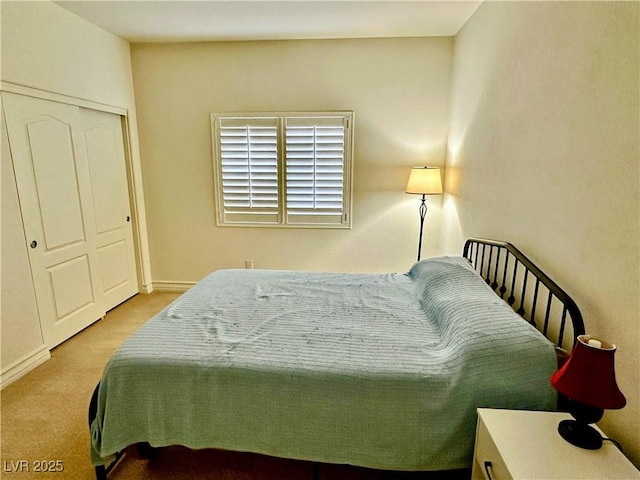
<point x="164" y="286"/>
<point x="23" y="366"/>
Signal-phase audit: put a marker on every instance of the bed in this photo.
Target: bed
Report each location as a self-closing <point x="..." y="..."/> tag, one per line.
<point x="376" y="370"/>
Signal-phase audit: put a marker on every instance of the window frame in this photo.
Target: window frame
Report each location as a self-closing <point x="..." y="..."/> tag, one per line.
<point x="283" y="219"/>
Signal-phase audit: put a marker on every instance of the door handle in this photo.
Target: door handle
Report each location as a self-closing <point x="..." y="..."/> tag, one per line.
<point x="128" y="218"/>
<point x="33" y="244"/>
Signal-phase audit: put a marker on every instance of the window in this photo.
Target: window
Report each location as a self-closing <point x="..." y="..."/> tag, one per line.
<point x="290" y="169"/>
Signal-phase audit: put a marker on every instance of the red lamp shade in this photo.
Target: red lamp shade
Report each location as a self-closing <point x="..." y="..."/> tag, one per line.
<point x="589" y="377"/>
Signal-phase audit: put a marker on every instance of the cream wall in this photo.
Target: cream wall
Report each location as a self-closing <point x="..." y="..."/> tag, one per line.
<point x="47" y="48"/>
<point x="544" y="152"/>
<point x="399" y="91"/>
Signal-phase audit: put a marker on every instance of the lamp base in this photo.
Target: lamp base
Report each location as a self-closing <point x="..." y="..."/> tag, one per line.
<point x="580" y="434"/>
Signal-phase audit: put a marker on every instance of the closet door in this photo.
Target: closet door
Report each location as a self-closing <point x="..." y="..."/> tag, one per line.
<point x="68" y="219"/>
<point x="104" y="144"/>
<point x="53" y="188"/>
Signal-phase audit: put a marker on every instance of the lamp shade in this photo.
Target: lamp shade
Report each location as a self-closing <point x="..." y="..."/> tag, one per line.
<point x="424" y="181"/>
<point x="589" y="376"/>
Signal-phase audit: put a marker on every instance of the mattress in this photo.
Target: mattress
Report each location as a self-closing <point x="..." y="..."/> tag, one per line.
<point x="377" y="370"/>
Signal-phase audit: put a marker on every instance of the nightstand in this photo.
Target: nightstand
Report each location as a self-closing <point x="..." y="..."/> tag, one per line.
<point x="517" y="444"/>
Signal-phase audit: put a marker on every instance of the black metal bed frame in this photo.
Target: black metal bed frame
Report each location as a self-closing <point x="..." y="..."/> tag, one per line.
<point x="510" y="273"/>
<point x="507" y="270"/>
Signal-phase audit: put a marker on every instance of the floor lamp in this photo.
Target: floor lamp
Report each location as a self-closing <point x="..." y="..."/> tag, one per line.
<point x="424" y="181"/>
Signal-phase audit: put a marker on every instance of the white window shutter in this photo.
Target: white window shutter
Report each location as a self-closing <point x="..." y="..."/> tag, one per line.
<point x="315" y="169"/>
<point x="248" y="150"/>
<point x="283" y="169"/>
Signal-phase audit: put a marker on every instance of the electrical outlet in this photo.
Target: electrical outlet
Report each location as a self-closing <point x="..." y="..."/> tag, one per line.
<point x="248" y="264"/>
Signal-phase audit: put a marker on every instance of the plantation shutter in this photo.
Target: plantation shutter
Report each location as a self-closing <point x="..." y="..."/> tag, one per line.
<point x="248" y="151"/>
<point x="315" y="169"/>
<point x="283" y="169"/>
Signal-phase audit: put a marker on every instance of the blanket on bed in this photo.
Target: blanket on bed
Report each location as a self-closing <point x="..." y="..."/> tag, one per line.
<point x="376" y="370"/>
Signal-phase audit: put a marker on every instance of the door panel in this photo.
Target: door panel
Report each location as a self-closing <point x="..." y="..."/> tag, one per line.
<point x="113" y="260"/>
<point x="52" y="176"/>
<point x="114" y="234"/>
<point x="71" y="285"/>
<point x="108" y="181"/>
<point x="56" y="181"/>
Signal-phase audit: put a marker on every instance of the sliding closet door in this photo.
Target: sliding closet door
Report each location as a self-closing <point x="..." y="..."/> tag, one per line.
<point x="69" y="170"/>
<point x="104" y="144"/>
<point x="53" y="186"/>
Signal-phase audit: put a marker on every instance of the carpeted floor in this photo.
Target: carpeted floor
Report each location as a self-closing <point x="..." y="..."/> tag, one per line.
<point x="43" y="418"/>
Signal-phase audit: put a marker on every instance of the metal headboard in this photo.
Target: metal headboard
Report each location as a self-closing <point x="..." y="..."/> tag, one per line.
<point x="522" y="284"/>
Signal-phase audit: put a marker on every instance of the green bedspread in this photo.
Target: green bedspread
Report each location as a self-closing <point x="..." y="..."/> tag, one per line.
<point x="376" y="370"/>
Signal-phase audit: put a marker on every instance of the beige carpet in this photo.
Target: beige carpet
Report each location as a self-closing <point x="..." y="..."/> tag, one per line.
<point x="43" y="417"/>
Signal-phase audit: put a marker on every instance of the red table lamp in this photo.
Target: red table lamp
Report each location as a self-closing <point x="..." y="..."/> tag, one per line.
<point x="588" y="380"/>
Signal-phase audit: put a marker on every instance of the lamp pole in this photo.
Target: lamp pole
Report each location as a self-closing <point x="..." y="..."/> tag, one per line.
<point x="423" y="212"/>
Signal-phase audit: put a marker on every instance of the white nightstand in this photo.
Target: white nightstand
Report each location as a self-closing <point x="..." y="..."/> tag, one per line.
<point x="516" y="444"/>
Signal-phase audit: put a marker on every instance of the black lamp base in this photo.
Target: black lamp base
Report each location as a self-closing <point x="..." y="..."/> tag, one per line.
<point x="580" y="434"/>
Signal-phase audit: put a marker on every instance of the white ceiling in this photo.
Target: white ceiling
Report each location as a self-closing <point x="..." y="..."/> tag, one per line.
<point x="216" y="20"/>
